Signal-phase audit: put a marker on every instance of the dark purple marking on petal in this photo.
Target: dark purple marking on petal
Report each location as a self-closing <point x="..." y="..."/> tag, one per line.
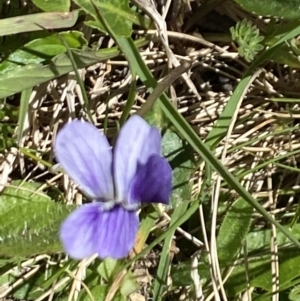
<point x="90" y="229"/>
<point x="153" y="182"/>
<point x="86" y="156"/>
<point x="117" y="232"/>
<point x="137" y="141"/>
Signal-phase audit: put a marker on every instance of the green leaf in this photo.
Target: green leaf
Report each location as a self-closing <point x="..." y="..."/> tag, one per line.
<point x="53" y="5"/>
<point x="98" y="292"/>
<point x="39" y="50"/>
<point x="128" y="285"/>
<point x="29" y="221"/>
<point x="181" y="273"/>
<point x="279" y="8"/>
<point x="258" y="241"/>
<point x="28" y="76"/>
<point x="109" y="267"/>
<point x="260" y="273"/>
<point x="116" y="13"/>
<point x="294" y="294"/>
<point x="179" y="155"/>
<point x="37" y="22"/>
<point x="284" y="55"/>
<point x="233" y="231"/>
<point x="248" y="38"/>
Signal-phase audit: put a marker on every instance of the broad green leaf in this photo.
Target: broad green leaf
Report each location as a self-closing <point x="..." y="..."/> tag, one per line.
<point x="258" y="241"/>
<point x="108" y="268"/>
<point x="129" y="284"/>
<point x="294" y="294"/>
<point x="276" y="8"/>
<point x="181" y="273"/>
<point x="37" y="22"/>
<point x="288" y="52"/>
<point x="28" y="76"/>
<point x="29" y="221"/>
<point x="53" y="5"/>
<point x="260" y="273"/>
<point x="156" y="117"/>
<point x="98" y="292"/>
<point x="259" y="268"/>
<point x="116" y="13"/>
<point x="284" y="55"/>
<point x="280" y="30"/>
<point x="233" y="231"/>
<point x="180" y="157"/>
<point x="39" y="50"/>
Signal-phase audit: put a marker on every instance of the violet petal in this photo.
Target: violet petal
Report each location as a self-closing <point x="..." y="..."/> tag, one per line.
<point x="90" y="229"/>
<point x="152" y="182"/>
<point x="86" y="156"/>
<point x="136" y="142"/>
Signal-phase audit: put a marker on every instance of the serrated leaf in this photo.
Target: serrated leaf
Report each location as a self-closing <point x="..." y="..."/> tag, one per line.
<point x="116" y="13"/>
<point x="53" y="5"/>
<point x="279" y="8"/>
<point x="39" y="50"/>
<point x="233" y="231"/>
<point x="29" y="222"/>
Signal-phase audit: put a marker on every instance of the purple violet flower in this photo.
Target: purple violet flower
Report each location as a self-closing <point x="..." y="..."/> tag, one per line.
<point x="116" y="180"/>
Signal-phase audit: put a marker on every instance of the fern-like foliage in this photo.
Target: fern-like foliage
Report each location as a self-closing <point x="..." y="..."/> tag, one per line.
<point x="248" y="38"/>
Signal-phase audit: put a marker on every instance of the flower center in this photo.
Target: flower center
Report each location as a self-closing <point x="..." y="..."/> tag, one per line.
<point x="109" y="204"/>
